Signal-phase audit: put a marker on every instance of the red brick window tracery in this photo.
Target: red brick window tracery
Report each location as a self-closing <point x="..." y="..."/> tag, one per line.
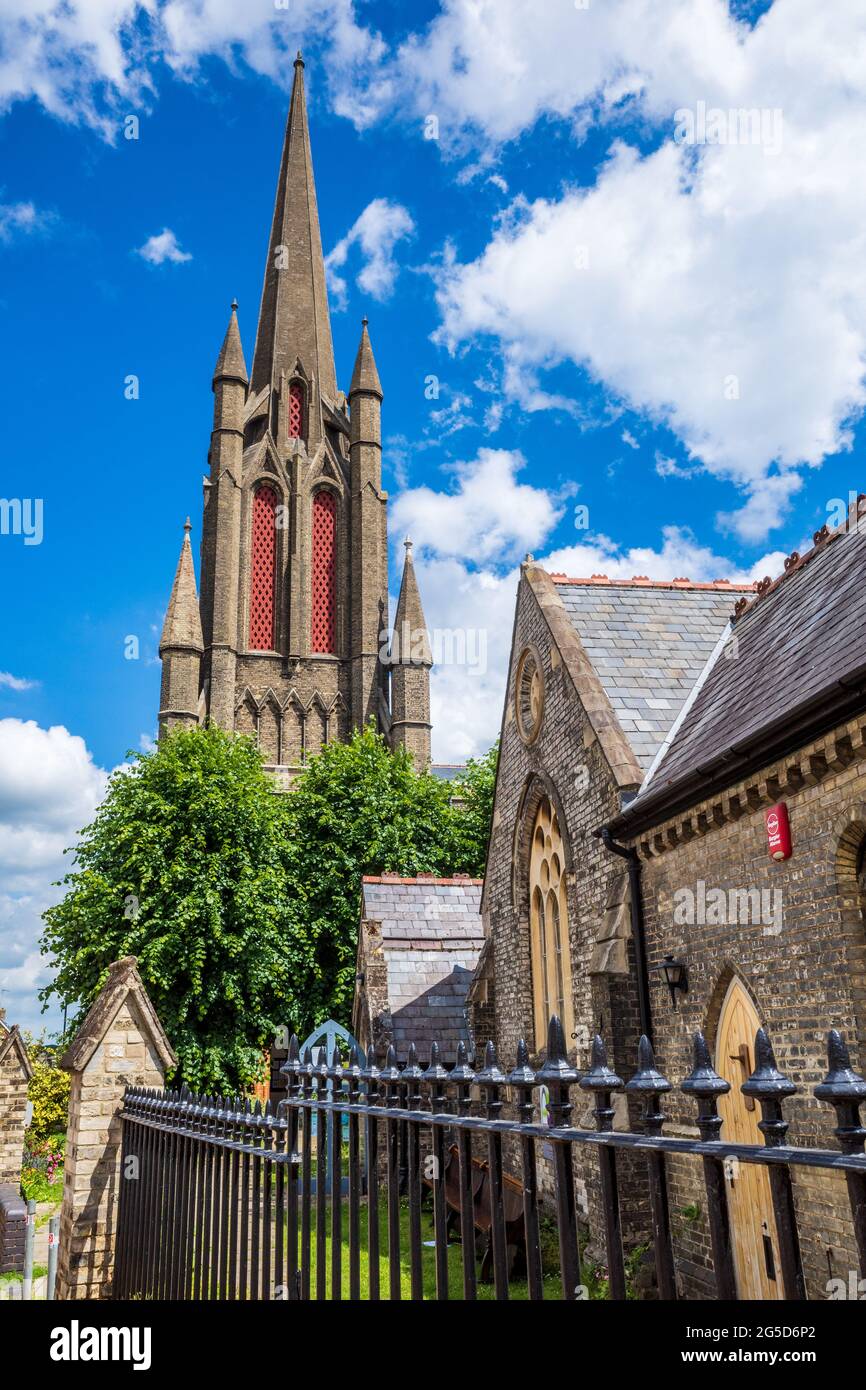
<point x="324" y="589"/>
<point x="263" y="570"/>
<point x="296" y="410"/>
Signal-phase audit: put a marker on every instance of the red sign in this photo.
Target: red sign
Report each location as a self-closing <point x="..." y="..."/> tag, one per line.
<point x="778" y="832"/>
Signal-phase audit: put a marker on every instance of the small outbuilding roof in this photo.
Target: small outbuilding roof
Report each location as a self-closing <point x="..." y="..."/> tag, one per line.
<point x="431" y="936"/>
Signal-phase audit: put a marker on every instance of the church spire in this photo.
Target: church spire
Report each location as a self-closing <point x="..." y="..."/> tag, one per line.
<point x="230" y="363"/>
<point x="181" y="646"/>
<point x="293" y="320"/>
<point x="412" y="639"/>
<point x="411" y="659"/>
<point x="182" y="626"/>
<point x="365" y="376"/>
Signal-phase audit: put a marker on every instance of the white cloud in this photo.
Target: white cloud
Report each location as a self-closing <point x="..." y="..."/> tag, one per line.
<point x="629" y="439"/>
<point x="93" y="61"/>
<point x="720" y="290"/>
<point x="376" y="233"/>
<point x="718" y="320"/>
<point x="163" y="247"/>
<point x="49" y="789"/>
<point x="16" y="682"/>
<point x="487" y="515"/>
<point x="469" y="602"/>
<point x="22" y="219"/>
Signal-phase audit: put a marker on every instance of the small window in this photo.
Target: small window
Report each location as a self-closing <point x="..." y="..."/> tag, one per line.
<point x="297" y="422"/>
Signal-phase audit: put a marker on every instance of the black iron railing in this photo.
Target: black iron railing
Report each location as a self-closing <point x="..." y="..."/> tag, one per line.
<point x="223" y="1201"/>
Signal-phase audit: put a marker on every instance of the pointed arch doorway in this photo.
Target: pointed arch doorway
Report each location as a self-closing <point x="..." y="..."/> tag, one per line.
<point x="750" y="1204"/>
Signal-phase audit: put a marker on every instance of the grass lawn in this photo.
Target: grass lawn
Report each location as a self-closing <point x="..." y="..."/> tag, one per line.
<point x="517" y="1289"/>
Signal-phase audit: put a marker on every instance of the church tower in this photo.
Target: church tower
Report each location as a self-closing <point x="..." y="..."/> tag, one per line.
<point x="292" y="643"/>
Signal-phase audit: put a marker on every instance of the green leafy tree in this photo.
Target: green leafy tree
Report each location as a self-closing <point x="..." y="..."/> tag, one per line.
<point x="185" y="867"/>
<point x="358" y="809"/>
<point x="474" y="812"/>
<point x="241" y="903"/>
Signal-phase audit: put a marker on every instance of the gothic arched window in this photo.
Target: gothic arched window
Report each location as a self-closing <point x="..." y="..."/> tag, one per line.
<point x="548" y="925"/>
<point x="263" y="570"/>
<point x="323" y="631"/>
<point x="296" y="411"/>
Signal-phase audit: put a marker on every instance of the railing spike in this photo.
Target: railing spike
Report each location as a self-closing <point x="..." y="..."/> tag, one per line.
<point x="600" y="1077"/>
<point x="523" y="1075"/>
<point x="838" y="1057"/>
<point x="462" y="1073"/>
<point x="845" y="1090"/>
<point x="767" y="1083"/>
<point x="555" y="1040"/>
<point x="701" y="1053"/>
<point x="436" y="1073"/>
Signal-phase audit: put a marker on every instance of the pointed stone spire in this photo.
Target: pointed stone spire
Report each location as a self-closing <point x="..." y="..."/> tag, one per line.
<point x="293" y="320"/>
<point x="411" y="659"/>
<point x="365" y="376"/>
<point x="411" y="638"/>
<point x="230" y="363"/>
<point x="182" y="626"/>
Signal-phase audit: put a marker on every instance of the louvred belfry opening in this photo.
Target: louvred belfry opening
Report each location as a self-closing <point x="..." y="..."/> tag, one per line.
<point x="296" y="411"/>
<point x="324" y="604"/>
<point x="263" y="570"/>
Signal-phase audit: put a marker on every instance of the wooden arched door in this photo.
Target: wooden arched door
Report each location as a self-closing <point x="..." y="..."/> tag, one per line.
<point x="750" y="1204"/>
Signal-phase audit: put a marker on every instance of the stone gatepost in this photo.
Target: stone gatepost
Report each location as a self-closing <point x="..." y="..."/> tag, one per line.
<point x="120" y="1043"/>
<point x="15" y="1072"/>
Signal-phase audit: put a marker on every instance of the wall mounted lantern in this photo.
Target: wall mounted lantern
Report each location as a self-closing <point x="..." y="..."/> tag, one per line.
<point x="674" y="972"/>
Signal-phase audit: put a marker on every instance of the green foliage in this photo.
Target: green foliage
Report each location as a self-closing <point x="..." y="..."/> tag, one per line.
<point x="358" y="809"/>
<point x="475" y="789"/>
<point x="241" y="904"/>
<point x="185" y="868"/>
<point x="40" y="1183"/>
<point x="48" y="1090"/>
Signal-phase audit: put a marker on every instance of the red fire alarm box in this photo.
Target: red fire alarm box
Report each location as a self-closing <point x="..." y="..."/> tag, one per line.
<point x="778" y="832"/>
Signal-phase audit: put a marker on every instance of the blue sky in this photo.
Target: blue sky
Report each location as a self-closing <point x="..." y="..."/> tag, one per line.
<point x="668" y="334"/>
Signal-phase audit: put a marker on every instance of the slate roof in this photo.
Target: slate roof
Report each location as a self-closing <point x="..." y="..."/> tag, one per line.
<point x="446" y="772"/>
<point x="648" y="642"/>
<point x="799" y="663"/>
<point x="431" y="939"/>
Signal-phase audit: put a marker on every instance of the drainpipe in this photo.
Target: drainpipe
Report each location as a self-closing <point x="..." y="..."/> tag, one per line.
<point x="630" y="855"/>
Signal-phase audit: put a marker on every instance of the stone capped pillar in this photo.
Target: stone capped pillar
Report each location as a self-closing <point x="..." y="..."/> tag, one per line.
<point x="120" y="1043"/>
<point x="15" y="1073"/>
